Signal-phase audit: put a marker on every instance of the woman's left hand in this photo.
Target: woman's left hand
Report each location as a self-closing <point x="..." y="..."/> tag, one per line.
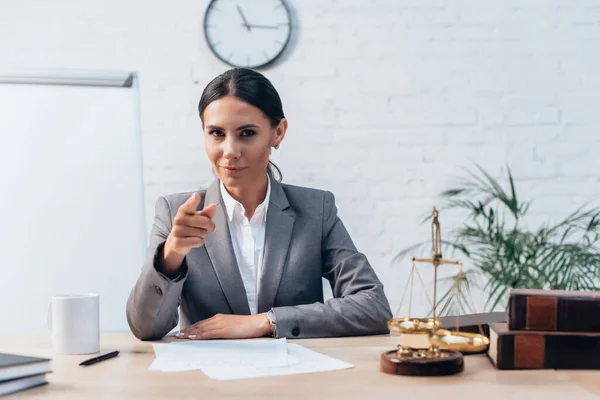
<point x="226" y="326"/>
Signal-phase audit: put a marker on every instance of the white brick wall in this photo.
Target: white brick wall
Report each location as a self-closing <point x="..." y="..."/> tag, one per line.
<point x="386" y="99"/>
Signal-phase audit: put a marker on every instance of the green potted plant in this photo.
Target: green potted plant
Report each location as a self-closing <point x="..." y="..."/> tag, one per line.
<point x="504" y="253"/>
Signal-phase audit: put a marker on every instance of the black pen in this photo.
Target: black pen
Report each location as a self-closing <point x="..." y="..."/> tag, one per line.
<point x="100" y="358"/>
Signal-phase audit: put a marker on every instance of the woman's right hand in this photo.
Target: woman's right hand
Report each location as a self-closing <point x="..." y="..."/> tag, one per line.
<point x="190" y="228"/>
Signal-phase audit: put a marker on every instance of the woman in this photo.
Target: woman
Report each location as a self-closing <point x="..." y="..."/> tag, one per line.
<point x="245" y="258"/>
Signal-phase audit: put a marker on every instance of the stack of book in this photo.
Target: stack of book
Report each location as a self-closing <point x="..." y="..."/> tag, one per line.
<point x="548" y="329"/>
<point x="18" y="372"/>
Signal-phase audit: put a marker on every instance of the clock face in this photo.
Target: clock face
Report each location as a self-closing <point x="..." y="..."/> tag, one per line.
<point x="247" y="33"/>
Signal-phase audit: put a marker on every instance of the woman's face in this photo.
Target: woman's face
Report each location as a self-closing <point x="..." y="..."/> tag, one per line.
<point x="238" y="138"/>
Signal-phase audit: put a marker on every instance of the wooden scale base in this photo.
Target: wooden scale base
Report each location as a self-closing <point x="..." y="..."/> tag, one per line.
<point x="447" y="362"/>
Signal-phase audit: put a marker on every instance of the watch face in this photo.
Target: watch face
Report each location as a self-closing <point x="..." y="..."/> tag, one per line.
<point x="247" y="33"/>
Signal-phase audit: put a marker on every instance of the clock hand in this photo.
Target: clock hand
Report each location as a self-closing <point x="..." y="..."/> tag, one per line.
<point x="243" y="18"/>
<point x="264" y="26"/>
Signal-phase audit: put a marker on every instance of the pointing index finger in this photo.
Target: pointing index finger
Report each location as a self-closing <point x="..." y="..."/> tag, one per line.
<point x="189" y="207"/>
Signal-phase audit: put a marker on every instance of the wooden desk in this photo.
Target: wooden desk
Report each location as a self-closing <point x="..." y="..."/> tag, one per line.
<point x="127" y="376"/>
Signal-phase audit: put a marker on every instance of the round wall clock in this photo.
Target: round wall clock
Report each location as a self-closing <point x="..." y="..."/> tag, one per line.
<point x="247" y="33"/>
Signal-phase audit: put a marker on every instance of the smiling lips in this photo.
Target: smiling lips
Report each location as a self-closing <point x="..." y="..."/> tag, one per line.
<point x="232" y="170"/>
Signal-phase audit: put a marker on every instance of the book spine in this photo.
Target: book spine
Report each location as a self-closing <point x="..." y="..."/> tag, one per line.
<point x="554" y="313"/>
<point x="539" y="351"/>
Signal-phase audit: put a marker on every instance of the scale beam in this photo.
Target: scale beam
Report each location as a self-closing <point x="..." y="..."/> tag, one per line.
<point x="440" y="261"/>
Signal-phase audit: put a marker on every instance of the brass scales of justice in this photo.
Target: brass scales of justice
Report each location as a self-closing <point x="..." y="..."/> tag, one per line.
<point x="446" y="347"/>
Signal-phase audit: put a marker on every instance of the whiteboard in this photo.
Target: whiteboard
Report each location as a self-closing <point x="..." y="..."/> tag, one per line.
<point x="71" y="195"/>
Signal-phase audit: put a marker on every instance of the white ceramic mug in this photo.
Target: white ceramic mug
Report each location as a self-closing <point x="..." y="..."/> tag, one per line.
<point x="74" y="322"/>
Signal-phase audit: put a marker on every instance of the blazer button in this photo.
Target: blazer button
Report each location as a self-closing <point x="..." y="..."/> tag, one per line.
<point x="158" y="290"/>
<point x="296" y="331"/>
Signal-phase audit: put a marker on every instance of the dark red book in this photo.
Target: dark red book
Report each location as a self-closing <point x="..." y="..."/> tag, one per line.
<point x="554" y="310"/>
<point x="510" y="349"/>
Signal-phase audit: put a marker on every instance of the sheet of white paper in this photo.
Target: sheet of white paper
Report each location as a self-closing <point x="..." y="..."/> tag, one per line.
<point x="198" y="354"/>
<point x="301" y="361"/>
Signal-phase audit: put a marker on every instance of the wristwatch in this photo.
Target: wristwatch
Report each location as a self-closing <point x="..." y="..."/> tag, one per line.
<point x="271" y="317"/>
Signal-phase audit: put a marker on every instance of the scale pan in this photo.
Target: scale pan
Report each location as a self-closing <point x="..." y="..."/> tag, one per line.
<point x="414" y="325"/>
<point x="465" y="342"/>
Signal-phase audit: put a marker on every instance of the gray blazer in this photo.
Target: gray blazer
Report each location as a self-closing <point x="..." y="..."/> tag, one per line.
<point x="304" y="241"/>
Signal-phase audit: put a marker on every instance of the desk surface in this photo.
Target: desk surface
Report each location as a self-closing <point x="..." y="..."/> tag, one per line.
<point x="127" y="376"/>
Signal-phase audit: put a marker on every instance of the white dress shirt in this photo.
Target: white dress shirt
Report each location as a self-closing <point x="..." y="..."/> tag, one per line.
<point x="248" y="239"/>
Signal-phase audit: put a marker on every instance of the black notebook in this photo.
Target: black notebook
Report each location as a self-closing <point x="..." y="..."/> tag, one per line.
<point x="16" y="366"/>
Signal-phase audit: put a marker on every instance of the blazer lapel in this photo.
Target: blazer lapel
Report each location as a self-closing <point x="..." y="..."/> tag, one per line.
<point x="220" y="251"/>
<point x="278" y="235"/>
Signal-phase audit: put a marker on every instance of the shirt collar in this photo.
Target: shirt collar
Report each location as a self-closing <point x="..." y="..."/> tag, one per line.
<point x="235" y="208"/>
